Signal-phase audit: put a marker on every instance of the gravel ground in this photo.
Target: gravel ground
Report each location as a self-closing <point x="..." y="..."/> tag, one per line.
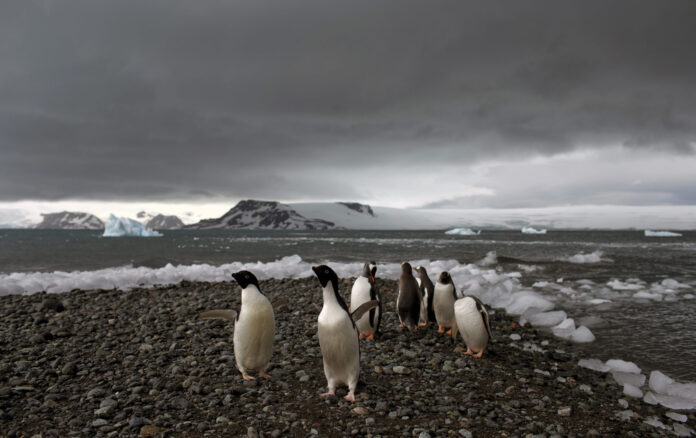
<point x="125" y="363"/>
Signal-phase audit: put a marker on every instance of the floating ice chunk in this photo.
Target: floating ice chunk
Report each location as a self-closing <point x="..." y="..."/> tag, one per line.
<point x="632" y="379"/>
<point x="593" y="257"/>
<point x="515" y="337"/>
<point x="541" y="284"/>
<point x="674" y="284"/>
<point x="531" y="230"/>
<point x="594" y="364"/>
<point x="123" y="226"/>
<point x="623" y="366"/>
<point x="565" y="329"/>
<point x="520" y="302"/>
<point x="596" y="301"/>
<point x="677" y="417"/>
<point x="659" y="382"/>
<point x="543" y="319"/>
<point x="653" y="421"/>
<point x="582" y="335"/>
<point x="647" y="296"/>
<point x="649" y="233"/>
<point x="632" y="391"/>
<point x="620" y="285"/>
<point x="463" y="232"/>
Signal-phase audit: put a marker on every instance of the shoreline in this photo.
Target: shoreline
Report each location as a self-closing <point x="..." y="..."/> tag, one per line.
<point x="122" y="363"/>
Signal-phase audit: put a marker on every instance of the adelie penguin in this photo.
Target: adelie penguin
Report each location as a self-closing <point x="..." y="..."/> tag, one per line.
<point x="427" y="290"/>
<point x="364" y="290"/>
<point x="254" y="327"/>
<point x="408" y="302"/>
<point x="443" y="302"/>
<point x="338" y="336"/>
<point x="474" y="325"/>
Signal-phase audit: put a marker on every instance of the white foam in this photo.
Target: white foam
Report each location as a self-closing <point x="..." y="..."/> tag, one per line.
<point x="532" y="230"/>
<point x="593" y="257"/>
<point x="649" y="233"/>
<point x="463" y="232"/>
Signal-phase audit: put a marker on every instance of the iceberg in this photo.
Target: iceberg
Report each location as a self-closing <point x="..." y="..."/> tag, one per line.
<point x="123" y="226"/>
<point x="531" y="230"/>
<point x="463" y="232"/>
<point x="649" y="233"/>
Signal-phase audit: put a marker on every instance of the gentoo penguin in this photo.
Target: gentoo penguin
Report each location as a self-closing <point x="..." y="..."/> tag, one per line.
<point x="254" y="327"/>
<point x="443" y="302"/>
<point x="408" y="303"/>
<point x="474" y="324"/>
<point x="338" y="336"/>
<point x="364" y="290"/>
<point x="426" y="288"/>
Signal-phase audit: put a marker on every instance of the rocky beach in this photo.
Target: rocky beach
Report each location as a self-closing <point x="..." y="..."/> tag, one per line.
<point x="125" y="363"/>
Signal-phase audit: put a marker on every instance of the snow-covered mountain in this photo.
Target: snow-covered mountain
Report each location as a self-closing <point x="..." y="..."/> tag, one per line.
<point x="70" y="220"/>
<point x="263" y="215"/>
<point x="354" y="216"/>
<point x="162" y="222"/>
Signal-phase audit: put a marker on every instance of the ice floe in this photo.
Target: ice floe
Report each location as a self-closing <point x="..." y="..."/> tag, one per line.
<point x="593" y="257"/>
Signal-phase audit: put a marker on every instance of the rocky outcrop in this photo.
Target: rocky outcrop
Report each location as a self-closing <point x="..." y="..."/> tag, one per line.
<point x="69" y="220"/>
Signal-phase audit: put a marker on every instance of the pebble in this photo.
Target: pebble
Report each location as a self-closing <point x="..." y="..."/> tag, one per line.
<point x="564" y="411"/>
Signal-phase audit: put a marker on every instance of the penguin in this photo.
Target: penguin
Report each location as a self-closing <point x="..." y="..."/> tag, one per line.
<point x="364" y="290"/>
<point x="254" y="328"/>
<point x="443" y="302"/>
<point x="474" y="324"/>
<point x="338" y="336"/>
<point x="426" y="288"/>
<point x="408" y="302"/>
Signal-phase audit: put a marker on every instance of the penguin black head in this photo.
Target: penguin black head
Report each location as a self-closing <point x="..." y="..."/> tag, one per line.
<point x="445" y="277"/>
<point x="326" y="275"/>
<point x="406" y="268"/>
<point x="245" y="278"/>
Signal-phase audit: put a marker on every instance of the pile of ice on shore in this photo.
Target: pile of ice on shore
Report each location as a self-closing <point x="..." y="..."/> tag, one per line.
<point x="660" y="389"/>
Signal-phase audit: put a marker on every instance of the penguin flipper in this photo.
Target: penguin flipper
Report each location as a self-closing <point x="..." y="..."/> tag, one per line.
<point x="218" y="313"/>
<point x="364" y="307"/>
<point x="484" y="315"/>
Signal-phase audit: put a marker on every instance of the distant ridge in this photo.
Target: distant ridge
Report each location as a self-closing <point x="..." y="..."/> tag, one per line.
<point x="263" y="215"/>
<point x="162" y="222"/>
<point x="70" y="220"/>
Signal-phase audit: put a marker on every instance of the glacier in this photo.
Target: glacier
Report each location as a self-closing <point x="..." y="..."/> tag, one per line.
<point x="123" y="226"/>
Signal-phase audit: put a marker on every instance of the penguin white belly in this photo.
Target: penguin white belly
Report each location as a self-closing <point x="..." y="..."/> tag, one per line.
<point x="443" y="304"/>
<point x="339" y="347"/>
<point x="253" y="334"/>
<point x="424" y="305"/>
<point x="470" y="323"/>
<point x="360" y="294"/>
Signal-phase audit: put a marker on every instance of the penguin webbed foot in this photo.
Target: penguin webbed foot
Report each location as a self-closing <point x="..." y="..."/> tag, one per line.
<point x="246" y="376"/>
<point x="350" y="397"/>
<point x="263" y="375"/>
<point x="328" y="394"/>
<point x="422" y="324"/>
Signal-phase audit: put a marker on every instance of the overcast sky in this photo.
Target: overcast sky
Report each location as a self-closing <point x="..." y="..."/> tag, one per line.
<point x="395" y="103"/>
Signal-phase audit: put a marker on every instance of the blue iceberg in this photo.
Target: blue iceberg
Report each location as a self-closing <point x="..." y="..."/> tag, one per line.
<point x="649" y="233"/>
<point x="532" y="230"/>
<point x="123" y="226"/>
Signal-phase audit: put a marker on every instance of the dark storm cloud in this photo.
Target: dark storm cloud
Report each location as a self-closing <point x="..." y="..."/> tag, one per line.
<point x="176" y="100"/>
